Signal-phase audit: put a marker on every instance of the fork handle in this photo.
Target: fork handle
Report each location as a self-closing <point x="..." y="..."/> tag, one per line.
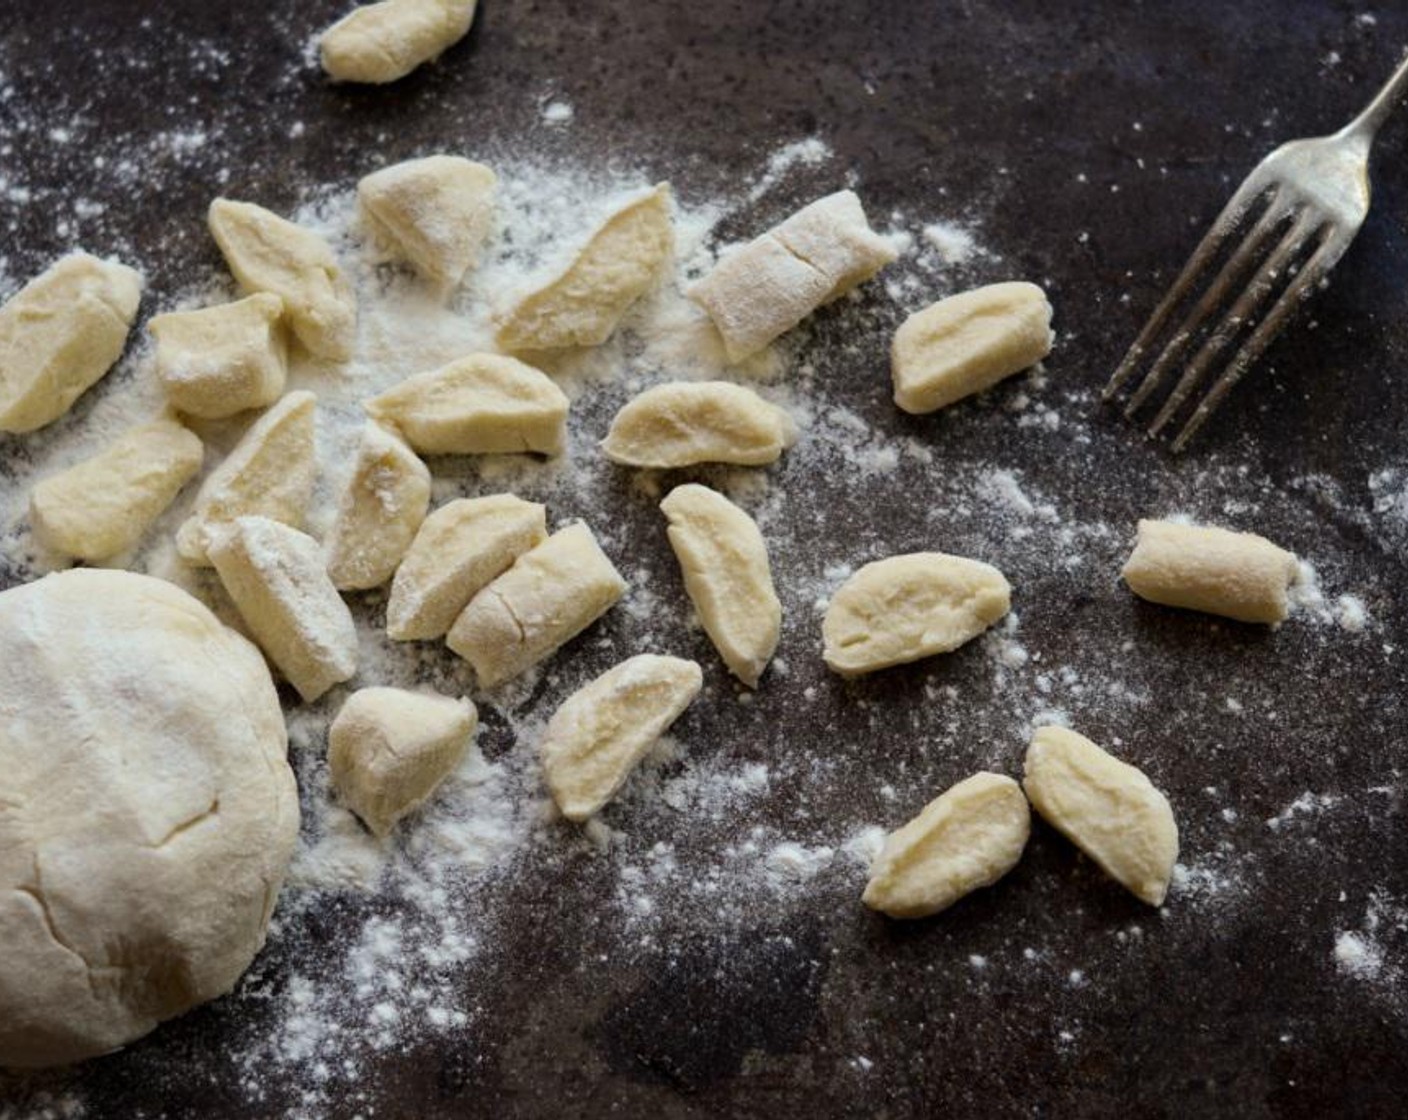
<point x="1364" y="126"/>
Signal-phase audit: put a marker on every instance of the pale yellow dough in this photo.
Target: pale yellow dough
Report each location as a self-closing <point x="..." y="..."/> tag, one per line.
<point x="379" y="43"/>
<point x="217" y="361"/>
<point x="379" y="512"/>
<point x="683" y="423"/>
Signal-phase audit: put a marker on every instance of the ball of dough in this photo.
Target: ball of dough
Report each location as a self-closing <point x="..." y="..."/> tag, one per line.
<point x="147" y="811"/>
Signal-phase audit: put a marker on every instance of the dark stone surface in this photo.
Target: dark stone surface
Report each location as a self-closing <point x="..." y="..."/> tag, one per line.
<point x="1004" y="101"/>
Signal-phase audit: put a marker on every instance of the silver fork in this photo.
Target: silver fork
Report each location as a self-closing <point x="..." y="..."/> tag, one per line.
<point x="1308" y="199"/>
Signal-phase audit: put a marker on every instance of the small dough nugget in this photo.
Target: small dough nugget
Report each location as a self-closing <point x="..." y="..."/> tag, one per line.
<point x="1237" y="575"/>
<point x="435" y="212"/>
<point x="101" y="507"/>
<point x="682" y="423"/>
<point x="550" y="595"/>
<point x="379" y="43"/>
<point x="270" y="472"/>
<point x="909" y="607"/>
<point x="966" y="838"/>
<point x="59" y="334"/>
<point x="266" y="253"/>
<point x="968" y="343"/>
<point x="765" y="288"/>
<point x="380" y="511"/>
<point x="1106" y="807"/>
<point x="583" y="304"/>
<point x="726" y="573"/>
<point x="389" y="750"/>
<point x="218" y="361"/>
<point x="604" y="729"/>
<point x="459" y="550"/>
<point x="276" y="578"/>
<point x="482" y="404"/>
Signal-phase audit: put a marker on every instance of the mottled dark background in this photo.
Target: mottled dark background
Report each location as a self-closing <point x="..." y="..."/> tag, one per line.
<point x="1005" y="101"/>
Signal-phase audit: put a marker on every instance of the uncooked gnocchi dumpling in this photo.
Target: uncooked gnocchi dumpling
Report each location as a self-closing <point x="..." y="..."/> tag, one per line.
<point x="382" y="42"/>
<point x="59" y="334"/>
<point x="726" y="573"/>
<point x="1106" y="807"/>
<point x="269" y="254"/>
<point x="1200" y="568"/>
<point x="551" y="594"/>
<point x="275" y="576"/>
<point x="101" y="507"/>
<point x="217" y="361"/>
<point x="380" y="511"/>
<point x="968" y="837"/>
<point x="765" y="288"/>
<point x="968" y="343"/>
<point x="583" y="304"/>
<point x="480" y="404"/>
<point x="604" y="729"/>
<point x="459" y="550"/>
<point x="909" y="607"/>
<point x="435" y="212"/>
<point x="270" y="472"/>
<point x="389" y="750"/>
<point x="683" y="423"/>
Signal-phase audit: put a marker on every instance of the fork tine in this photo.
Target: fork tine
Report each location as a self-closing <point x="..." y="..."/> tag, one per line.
<point x="1263" y="282"/>
<point x="1307" y="280"/>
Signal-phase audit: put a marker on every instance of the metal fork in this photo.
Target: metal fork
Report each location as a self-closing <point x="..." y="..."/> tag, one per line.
<point x="1304" y="203"/>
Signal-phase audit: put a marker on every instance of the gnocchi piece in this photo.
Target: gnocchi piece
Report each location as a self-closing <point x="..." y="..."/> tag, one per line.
<point x="275" y="575"/>
<point x="380" y="511"/>
<point x="1199" y="568"/>
<point x="101" y="507"/>
<point x="765" y="288"/>
<point x="682" y="423"/>
<point x="459" y="549"/>
<point x="617" y="265"/>
<point x="266" y="253"/>
<point x="727" y="575"/>
<point x="389" y="750"/>
<point x="966" y="838"/>
<point x="218" y="361"/>
<point x="379" y="43"/>
<point x="480" y="404"/>
<point x="550" y="595"/>
<point x="59" y="334"/>
<point x="909" y="607"/>
<point x="270" y="472"/>
<point x="968" y="343"/>
<point x="1106" y="807"/>
<point x="604" y="729"/>
<point x="435" y="212"/>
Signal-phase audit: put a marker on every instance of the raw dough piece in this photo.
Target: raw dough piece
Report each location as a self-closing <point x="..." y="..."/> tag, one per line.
<point x="268" y="254"/>
<point x="1236" y="575"/>
<point x="380" y="43"/>
<point x="460" y="548"/>
<point x="602" y="730"/>
<point x="727" y="575"/>
<point x="683" y="423"/>
<point x="100" y="507"/>
<point x="480" y="404"/>
<point x="381" y="509"/>
<point x="1106" y="807"/>
<point x="148" y="811"/>
<point x="583" y="304"/>
<point x="966" y="838"/>
<point x="968" y="343"/>
<point x="59" y="334"/>
<point x="270" y="472"/>
<point x="276" y="577"/>
<point x="218" y="361"/>
<point x="910" y="607"/>
<point x="765" y="288"/>
<point x="550" y="595"/>
<point x="389" y="750"/>
<point x="435" y="211"/>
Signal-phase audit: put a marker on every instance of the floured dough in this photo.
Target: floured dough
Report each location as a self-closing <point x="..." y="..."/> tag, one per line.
<point x="381" y="509"/>
<point x="217" y="361"/>
<point x="682" y="423"/>
<point x="382" y="42"/>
